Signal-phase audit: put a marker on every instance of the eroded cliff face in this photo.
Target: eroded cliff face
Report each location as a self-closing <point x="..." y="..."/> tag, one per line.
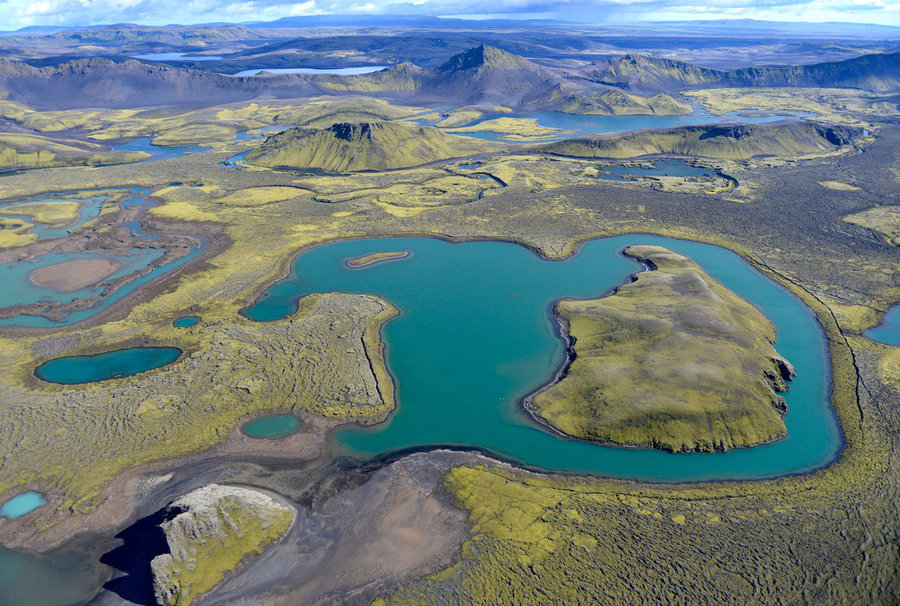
<point x="211" y="531"/>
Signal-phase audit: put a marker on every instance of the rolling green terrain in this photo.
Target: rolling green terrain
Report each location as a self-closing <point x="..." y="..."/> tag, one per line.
<point x="344" y="147"/>
<point x="673" y="360"/>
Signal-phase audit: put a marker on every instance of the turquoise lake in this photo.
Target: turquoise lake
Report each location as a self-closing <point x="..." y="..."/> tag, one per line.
<point x="476" y="334"/>
<point x="22" y="504"/>
<point x="888" y="332"/>
<point x="73" y="370"/>
<point x="272" y="427"/>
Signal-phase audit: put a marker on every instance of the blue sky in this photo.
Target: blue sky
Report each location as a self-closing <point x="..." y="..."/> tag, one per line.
<point x="19" y="13"/>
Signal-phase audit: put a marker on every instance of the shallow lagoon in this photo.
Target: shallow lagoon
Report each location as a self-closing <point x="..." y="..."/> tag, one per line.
<point x="475" y="335"/>
<point x="664" y="167"/>
<point x="21" y="290"/>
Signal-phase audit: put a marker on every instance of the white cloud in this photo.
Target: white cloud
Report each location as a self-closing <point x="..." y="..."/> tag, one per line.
<point x="18" y="13"/>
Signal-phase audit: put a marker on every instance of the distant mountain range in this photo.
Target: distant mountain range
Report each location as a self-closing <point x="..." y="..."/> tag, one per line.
<point x="643" y="74"/>
<point x="702" y="26"/>
<point x="480" y="75"/>
<point x="629" y="84"/>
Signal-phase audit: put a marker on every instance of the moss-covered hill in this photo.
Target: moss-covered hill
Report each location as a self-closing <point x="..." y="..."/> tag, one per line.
<point x="787" y="138"/>
<point x="673" y="360"/>
<point x="347" y="147"/>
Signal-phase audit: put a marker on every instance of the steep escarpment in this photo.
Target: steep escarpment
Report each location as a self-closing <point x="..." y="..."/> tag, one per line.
<point x="354" y="146"/>
<point x="788" y="138"/>
<point x="210" y="532"/>
<point x="673" y="360"/>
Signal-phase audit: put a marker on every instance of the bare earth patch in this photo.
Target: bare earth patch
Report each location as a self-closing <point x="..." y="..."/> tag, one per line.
<point x="71" y="276"/>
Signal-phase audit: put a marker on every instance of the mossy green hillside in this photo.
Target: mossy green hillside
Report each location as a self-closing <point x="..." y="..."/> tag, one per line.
<point x="884" y="220"/>
<point x="363" y="146"/>
<point x="35" y="151"/>
<point x="212" y="531"/>
<point x="673" y="360"/>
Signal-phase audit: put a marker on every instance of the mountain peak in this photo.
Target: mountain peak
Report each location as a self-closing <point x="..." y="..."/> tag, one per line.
<point x="483" y="56"/>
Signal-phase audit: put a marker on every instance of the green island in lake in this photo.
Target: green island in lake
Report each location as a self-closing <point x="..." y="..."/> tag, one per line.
<point x="672" y="360"/>
<point x="378" y="257"/>
<point x="531" y="306"/>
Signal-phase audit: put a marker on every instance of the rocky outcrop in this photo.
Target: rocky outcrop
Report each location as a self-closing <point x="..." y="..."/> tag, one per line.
<point x="211" y="532"/>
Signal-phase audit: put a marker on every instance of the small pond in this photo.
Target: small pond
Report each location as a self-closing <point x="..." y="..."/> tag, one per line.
<point x="186" y="321"/>
<point x="272" y="427"/>
<point x="888" y="332"/>
<point x="22" y="504"/>
<point x="72" y="370"/>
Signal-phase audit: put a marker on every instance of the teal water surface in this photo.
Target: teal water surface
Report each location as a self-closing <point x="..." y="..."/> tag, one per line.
<point x="186" y="321"/>
<point x="22" y="504"/>
<point x="475" y="335"/>
<point x="888" y="332"/>
<point x="115" y="364"/>
<point x="272" y="427"/>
